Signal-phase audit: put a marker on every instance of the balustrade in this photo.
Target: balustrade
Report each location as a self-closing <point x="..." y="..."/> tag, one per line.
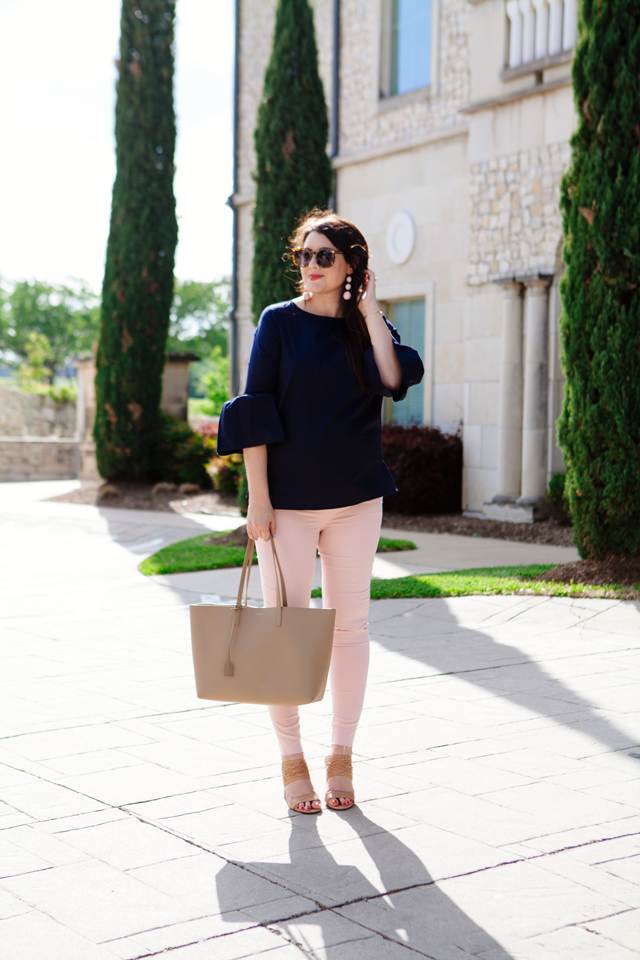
<point x="539" y="29"/>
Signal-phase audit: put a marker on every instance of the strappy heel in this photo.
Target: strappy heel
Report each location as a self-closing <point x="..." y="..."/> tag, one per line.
<point x="339" y="765"/>
<point x="293" y="770"/>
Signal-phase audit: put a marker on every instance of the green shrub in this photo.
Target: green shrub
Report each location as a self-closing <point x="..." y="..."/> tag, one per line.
<point x="243" y="492"/>
<point x="181" y="455"/>
<point x="556" y="499"/>
<point x="59" y="393"/>
<point x="214" y="381"/>
<point x="599" y="430"/>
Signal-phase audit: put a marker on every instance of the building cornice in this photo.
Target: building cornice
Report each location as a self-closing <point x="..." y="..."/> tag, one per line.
<point x="386" y="150"/>
<point x="237" y="200"/>
<point x="537" y="66"/>
<point x="518" y="95"/>
<point x="525" y="277"/>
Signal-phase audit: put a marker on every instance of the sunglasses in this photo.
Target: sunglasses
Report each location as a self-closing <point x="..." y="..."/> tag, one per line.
<point x="325" y="257"/>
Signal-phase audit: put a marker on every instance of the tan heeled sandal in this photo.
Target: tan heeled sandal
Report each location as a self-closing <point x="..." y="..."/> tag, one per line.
<point x="293" y="770"/>
<point x="339" y="765"/>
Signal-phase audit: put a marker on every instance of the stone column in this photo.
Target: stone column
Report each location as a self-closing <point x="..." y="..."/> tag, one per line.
<point x="536" y="385"/>
<point x="85" y="415"/>
<point x="510" y="411"/>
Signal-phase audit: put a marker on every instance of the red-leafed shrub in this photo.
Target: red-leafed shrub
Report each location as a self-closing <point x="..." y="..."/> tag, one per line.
<point x="208" y="430"/>
<point x="426" y="465"/>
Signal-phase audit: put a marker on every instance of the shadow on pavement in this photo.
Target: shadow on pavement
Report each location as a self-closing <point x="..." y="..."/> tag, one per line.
<point x="503" y="671"/>
<point x="143" y="532"/>
<point x="429" y="921"/>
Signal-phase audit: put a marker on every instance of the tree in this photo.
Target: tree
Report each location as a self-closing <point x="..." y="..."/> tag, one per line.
<point x="599" y="429"/>
<point x="67" y="316"/>
<point x="34" y="369"/>
<point x="214" y="381"/>
<point x="198" y="321"/>
<point x="138" y="284"/>
<point x="293" y="172"/>
<point x="199" y="324"/>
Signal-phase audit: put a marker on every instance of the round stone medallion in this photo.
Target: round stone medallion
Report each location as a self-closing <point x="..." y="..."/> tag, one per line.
<point x="401" y="236"/>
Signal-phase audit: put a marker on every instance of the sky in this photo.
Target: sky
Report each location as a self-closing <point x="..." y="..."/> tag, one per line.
<point x="57" y="161"/>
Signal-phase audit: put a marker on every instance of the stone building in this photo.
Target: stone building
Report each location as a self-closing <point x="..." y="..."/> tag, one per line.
<point x="450" y="122"/>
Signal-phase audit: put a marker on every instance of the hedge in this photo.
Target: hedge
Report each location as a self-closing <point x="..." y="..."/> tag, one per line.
<point x="426" y="465"/>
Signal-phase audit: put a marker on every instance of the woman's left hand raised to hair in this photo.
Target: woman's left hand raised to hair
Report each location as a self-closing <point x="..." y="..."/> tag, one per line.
<point x="368" y="301"/>
<point x="384" y="352"/>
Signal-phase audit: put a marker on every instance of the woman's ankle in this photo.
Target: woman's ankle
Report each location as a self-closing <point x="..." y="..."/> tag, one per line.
<point x="292" y="756"/>
<point x="337" y="750"/>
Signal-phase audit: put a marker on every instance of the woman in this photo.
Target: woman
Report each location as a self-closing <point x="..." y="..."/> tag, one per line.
<point x="309" y="428"/>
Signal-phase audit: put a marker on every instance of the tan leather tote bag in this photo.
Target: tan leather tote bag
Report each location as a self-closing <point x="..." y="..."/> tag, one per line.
<point x="274" y="655"/>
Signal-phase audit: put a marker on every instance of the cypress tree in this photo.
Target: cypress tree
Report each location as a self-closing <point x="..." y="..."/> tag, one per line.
<point x="293" y="172"/>
<point x="599" y="429"/>
<point x="138" y="282"/>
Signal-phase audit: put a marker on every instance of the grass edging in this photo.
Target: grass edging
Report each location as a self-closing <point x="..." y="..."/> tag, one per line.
<point x="488" y="581"/>
<point x="187" y="556"/>
<point x="385" y="545"/>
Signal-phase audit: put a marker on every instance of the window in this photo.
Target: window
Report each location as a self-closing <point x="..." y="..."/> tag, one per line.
<point x="408" y="316"/>
<point x="407" y="41"/>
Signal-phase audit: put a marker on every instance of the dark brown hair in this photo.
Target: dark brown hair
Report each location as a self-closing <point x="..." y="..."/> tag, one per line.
<point x="346" y="237"/>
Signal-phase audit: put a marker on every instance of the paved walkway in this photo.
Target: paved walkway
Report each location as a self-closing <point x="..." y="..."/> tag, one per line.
<point x="497" y="777"/>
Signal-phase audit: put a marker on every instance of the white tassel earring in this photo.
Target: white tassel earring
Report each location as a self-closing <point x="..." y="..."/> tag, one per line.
<point x="307" y="295"/>
<point x="347" y="288"/>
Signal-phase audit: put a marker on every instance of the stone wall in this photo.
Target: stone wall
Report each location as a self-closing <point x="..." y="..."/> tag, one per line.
<point x="515" y="223"/>
<point x="30" y="415"/>
<point x="366" y="121"/>
<point x="38" y="458"/>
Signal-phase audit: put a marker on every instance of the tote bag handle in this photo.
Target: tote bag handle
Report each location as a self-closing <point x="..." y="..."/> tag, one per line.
<point x="281" y="597"/>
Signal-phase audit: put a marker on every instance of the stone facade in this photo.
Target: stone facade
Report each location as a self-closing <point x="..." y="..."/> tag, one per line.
<point x="515" y="224"/>
<point x="370" y="122"/>
<point x="476" y="160"/>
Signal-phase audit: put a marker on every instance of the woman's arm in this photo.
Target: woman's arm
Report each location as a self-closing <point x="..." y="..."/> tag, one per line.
<point x="261" y="521"/>
<point x="384" y="352"/>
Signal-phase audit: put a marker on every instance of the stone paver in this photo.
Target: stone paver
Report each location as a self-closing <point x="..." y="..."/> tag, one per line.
<point x="498" y="772"/>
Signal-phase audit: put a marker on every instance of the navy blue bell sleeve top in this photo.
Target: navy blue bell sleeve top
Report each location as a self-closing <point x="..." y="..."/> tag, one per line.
<point x="302" y="399"/>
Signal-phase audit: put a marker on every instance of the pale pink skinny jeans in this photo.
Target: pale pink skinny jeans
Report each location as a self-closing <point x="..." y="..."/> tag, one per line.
<point x="346" y="538"/>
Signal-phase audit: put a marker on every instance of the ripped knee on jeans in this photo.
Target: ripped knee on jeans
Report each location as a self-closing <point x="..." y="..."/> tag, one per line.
<point x="352" y="635"/>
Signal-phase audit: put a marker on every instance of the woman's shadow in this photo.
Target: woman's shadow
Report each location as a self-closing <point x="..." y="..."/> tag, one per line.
<point x="406" y="906"/>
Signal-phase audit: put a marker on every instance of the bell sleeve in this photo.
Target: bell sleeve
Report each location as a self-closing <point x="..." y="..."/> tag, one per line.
<point x="410" y="364"/>
<point x="249" y="421"/>
<point x="252" y="419"/>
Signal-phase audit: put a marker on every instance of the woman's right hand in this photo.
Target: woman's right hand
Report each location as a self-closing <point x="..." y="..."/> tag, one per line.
<point x="261" y="520"/>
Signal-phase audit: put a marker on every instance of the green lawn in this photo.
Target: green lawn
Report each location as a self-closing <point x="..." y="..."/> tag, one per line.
<point x="194" y="554"/>
<point x="187" y="555"/>
<point x="484" y="581"/>
<point x="391" y="546"/>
